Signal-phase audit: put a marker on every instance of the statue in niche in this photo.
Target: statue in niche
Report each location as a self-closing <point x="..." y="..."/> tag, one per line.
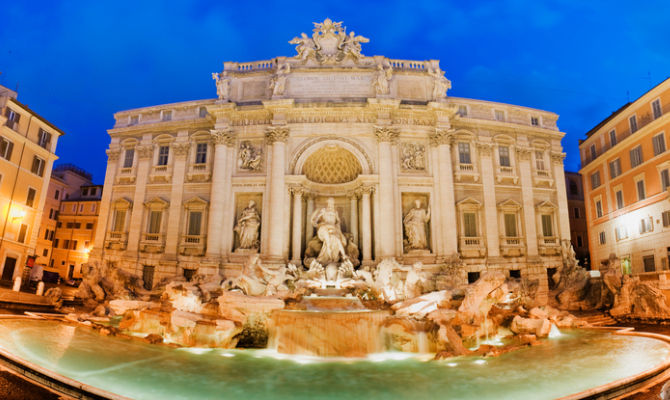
<point x="278" y="82"/>
<point x="327" y="224"/>
<point x="222" y="85"/>
<point x="442" y="84"/>
<point x="247" y="227"/>
<point x="413" y="157"/>
<point x="382" y="77"/>
<point x="250" y="156"/>
<point x="415" y="227"/>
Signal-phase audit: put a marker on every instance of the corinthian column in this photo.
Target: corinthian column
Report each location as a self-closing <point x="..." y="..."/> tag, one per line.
<point x="296" y="237"/>
<point x="353" y="199"/>
<point x="366" y="224"/>
<point x="559" y="178"/>
<point x="309" y="229"/>
<point x="105" y="203"/>
<point x="144" y="154"/>
<point x="442" y="140"/>
<point x="386" y="137"/>
<point x="523" y="155"/>
<point x="180" y="152"/>
<point x="490" y="207"/>
<point x="277" y="137"/>
<point x="221" y="179"/>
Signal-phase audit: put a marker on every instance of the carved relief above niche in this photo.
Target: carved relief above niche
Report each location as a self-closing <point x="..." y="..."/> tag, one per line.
<point x="413" y="157"/>
<point x="250" y="156"/>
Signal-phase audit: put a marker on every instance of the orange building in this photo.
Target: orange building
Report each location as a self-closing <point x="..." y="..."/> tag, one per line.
<point x="626" y="176"/>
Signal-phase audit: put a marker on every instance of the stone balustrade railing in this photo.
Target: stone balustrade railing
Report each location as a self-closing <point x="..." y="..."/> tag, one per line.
<point x="408" y="65"/>
<point x="262" y="65"/>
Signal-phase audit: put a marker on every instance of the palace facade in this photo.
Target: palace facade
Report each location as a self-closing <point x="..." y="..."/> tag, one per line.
<point x="413" y="173"/>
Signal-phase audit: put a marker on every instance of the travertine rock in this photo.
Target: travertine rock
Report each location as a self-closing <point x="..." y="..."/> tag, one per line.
<point x="480" y="296"/>
<point x="538" y="327"/>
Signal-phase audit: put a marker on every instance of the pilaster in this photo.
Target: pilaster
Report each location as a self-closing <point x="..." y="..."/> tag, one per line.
<point x="561" y="193"/>
<point x="277" y="137"/>
<point x="105" y="202"/>
<point x="441" y="138"/>
<point x="490" y="206"/>
<point x="144" y="155"/>
<point x="528" y="201"/>
<point x="386" y="137"/>
<point x="180" y="153"/>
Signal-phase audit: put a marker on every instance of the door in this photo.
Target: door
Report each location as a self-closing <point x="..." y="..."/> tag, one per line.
<point x="70" y="272"/>
<point x="148" y="276"/>
<point x="8" y="271"/>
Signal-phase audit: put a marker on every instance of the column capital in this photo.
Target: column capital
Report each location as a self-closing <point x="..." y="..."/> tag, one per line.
<point x="277" y="134"/>
<point x="440" y="136"/>
<point x="144" y="152"/>
<point x="523" y="153"/>
<point x="113" y="155"/>
<point x="180" y="149"/>
<point x="386" y="134"/>
<point x="557" y="157"/>
<point x="297" y="191"/>
<point x="365" y="190"/>
<point x="223" y="136"/>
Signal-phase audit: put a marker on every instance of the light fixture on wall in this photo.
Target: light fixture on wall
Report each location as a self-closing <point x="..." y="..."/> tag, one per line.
<point x="17" y="213"/>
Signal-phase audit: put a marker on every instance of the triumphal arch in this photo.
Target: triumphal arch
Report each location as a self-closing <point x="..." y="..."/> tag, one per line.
<point x="333" y="155"/>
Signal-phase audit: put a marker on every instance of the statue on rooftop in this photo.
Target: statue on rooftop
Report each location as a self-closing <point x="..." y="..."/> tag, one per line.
<point x="222" y="85"/>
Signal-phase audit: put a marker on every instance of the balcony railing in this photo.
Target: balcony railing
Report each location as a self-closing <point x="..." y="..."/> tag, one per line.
<point x="192" y="245"/>
<point x="466" y="167"/>
<point x="152" y="237"/>
<point x="511" y="246"/>
<point x="116" y="240"/>
<point x="471" y="246"/>
<point x="548" y="246"/>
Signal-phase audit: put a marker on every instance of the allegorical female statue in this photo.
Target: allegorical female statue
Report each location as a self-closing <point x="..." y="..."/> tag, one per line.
<point x="415" y="227"/>
<point x="247" y="227"/>
<point x="327" y="223"/>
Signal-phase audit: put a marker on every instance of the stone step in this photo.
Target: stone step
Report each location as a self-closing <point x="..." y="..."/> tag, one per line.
<point x="599" y="320"/>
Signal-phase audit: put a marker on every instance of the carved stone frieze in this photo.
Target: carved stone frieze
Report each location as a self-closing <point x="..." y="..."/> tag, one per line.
<point x="223" y="136"/>
<point x="113" y="155"/>
<point x="413" y="157"/>
<point x="485" y="149"/>
<point x="180" y="149"/>
<point x="386" y="134"/>
<point x="144" y="152"/>
<point x="523" y="153"/>
<point x="277" y="134"/>
<point x="250" y="156"/>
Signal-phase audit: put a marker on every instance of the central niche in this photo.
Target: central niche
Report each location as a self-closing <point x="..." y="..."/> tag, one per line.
<point x="332" y="164"/>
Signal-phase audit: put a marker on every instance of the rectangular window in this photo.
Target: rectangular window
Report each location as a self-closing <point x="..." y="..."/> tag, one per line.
<point x="134" y="119"/>
<point x="46" y="234"/>
<point x="12" y="118"/>
<point x="56" y="243"/>
<point x="57" y="195"/>
<point x="632" y="121"/>
<point x="167" y="115"/>
<point x="84" y="192"/>
<point x="499" y="115"/>
<point x="194" y="223"/>
<point x="81" y="208"/>
<point x="656" y="107"/>
<point x="119" y="221"/>
<point x="89" y="225"/>
<point x="51" y="235"/>
<point x="154" y="221"/>
<point x="66" y="244"/>
<point x="77" y="225"/>
<point x="38" y="166"/>
<point x="45" y="253"/>
<point x="595" y="179"/>
<point x="599" y="208"/>
<point x="535" y="121"/>
<point x="641" y="195"/>
<point x="576" y="212"/>
<point x="659" y="143"/>
<point x="666" y="218"/>
<point x="93" y="207"/>
<point x="619" y="199"/>
<point x="539" y="161"/>
<point x="163" y="152"/>
<point x="593" y="152"/>
<point x="128" y="158"/>
<point x="462" y="111"/>
<point x="74" y="245"/>
<point x="51" y="213"/>
<point x="6" y="148"/>
<point x="510" y="225"/>
<point x="580" y="242"/>
<point x="547" y="228"/>
<point x="646" y="225"/>
<point x="30" y="199"/>
<point x="22" y="233"/>
<point x="612" y="138"/>
<point x="464" y="153"/>
<point x="649" y="264"/>
<point x="615" y="168"/>
<point x="665" y="179"/>
<point x="621" y="232"/>
<point x="201" y="153"/>
<point x="503" y="152"/>
<point x="636" y="157"/>
<point x="44" y="139"/>
<point x="469" y="224"/>
<point x="203" y="112"/>
<point x="69" y="225"/>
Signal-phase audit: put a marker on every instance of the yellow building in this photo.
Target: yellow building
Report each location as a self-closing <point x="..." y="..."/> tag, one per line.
<point x="626" y="176"/>
<point x="27" y="153"/>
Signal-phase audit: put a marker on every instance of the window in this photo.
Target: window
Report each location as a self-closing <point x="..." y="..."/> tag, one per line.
<point x="593" y="152"/>
<point x="119" y="221"/>
<point x="499" y="115"/>
<point x="547" y="228"/>
<point x="646" y="225"/>
<point x="656" y="108"/>
<point x="74" y="208"/>
<point x="74" y="245"/>
<point x="30" y="199"/>
<point x="89" y="225"/>
<point x="636" y="157"/>
<point x="12" y="118"/>
<point x="38" y="166"/>
<point x="66" y="244"/>
<point x="167" y="115"/>
<point x="154" y="221"/>
<point x="539" y="161"/>
<point x="81" y="208"/>
<point x="45" y="252"/>
<point x="503" y="152"/>
<point x="201" y="153"/>
<point x="94" y="191"/>
<point x="6" y="148"/>
<point x="648" y="262"/>
<point x="46" y="234"/>
<point x="57" y="195"/>
<point x="535" y="121"/>
<point x="51" y="235"/>
<point x="665" y="179"/>
<point x="621" y="232"/>
<point x="464" y="153"/>
<point x="22" y="233"/>
<point x="619" y="199"/>
<point x="84" y="192"/>
<point x="203" y="112"/>
<point x="55" y="243"/>
<point x="59" y="224"/>
<point x="599" y="208"/>
<point x="573" y="187"/>
<point x="462" y="111"/>
<point x="134" y="119"/>
<point x="194" y="223"/>
<point x="93" y="207"/>
<point x="576" y="212"/>
<point x="632" y="121"/>
<point x="666" y="218"/>
<point x="601" y="237"/>
<point x="128" y="158"/>
<point x="163" y="152"/>
<point x="615" y="168"/>
<point x="510" y="225"/>
<point x="595" y="179"/>
<point x="641" y="195"/>
<point x="469" y="224"/>
<point x="77" y="225"/>
<point x="612" y="138"/>
<point x="69" y="225"/>
<point x="580" y="242"/>
<point x="44" y="139"/>
<point x="659" y="143"/>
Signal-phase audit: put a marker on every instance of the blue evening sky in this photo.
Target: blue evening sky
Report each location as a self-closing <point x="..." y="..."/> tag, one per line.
<point x="78" y="62"/>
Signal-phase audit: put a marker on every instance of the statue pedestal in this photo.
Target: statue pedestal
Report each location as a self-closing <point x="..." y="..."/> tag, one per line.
<point x="424" y="256"/>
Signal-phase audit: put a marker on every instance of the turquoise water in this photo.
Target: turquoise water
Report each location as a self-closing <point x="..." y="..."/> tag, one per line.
<point x="576" y="361"/>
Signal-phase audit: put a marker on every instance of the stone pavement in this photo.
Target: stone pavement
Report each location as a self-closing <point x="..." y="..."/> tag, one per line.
<point x="13" y="387"/>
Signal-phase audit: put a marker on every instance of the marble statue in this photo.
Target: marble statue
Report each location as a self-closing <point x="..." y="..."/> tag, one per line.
<point x="329" y="43"/>
<point x="415" y="227"/>
<point x="305" y="47"/>
<point x="250" y="156"/>
<point x="278" y="82"/>
<point x="442" y="84"/>
<point x="327" y="224"/>
<point x="352" y="45"/>
<point x="222" y="85"/>
<point x="382" y="77"/>
<point x="247" y="227"/>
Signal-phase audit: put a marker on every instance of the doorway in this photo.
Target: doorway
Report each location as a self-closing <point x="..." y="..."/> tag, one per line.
<point x="8" y="271"/>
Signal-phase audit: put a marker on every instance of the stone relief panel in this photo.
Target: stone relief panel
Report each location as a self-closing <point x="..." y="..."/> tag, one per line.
<point x="416" y="223"/>
<point x="248" y="219"/>
<point x="250" y="156"/>
<point x="412" y="157"/>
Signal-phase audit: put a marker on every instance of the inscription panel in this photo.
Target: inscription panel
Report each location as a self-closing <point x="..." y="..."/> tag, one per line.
<point x="311" y="85"/>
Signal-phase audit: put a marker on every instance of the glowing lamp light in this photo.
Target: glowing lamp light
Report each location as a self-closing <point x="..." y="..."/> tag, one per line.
<point x="17" y="213"/>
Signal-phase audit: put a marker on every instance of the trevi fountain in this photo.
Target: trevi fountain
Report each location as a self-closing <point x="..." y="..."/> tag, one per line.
<point x="334" y="225"/>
